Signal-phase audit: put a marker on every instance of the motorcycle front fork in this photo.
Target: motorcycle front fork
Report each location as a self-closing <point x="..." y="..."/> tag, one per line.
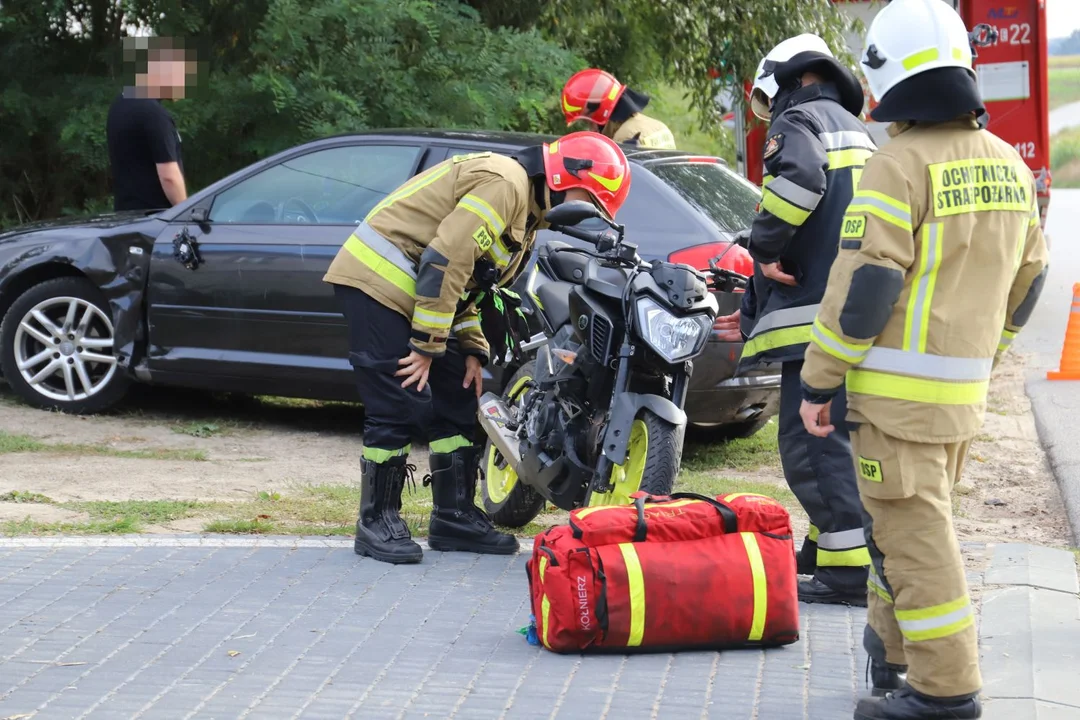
<point x="601" y="480"/>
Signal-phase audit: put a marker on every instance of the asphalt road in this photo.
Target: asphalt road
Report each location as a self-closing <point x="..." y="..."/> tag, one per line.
<point x="1057" y="403"/>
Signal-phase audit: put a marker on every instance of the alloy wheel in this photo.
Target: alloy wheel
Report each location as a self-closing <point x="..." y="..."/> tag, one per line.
<point x="64" y="349"/>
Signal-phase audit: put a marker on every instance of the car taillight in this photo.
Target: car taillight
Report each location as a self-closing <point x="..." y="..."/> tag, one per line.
<point x="737" y="258"/>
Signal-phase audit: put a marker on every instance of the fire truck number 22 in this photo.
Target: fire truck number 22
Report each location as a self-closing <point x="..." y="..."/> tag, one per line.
<point x="1015" y="34"/>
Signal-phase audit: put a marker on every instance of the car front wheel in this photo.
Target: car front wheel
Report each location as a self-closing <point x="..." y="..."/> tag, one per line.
<point x="56" y="348"/>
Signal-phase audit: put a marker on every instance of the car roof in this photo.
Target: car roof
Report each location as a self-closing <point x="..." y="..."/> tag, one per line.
<point x="507" y="139"/>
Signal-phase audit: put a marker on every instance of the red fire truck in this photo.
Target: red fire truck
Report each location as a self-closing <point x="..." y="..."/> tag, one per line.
<point x="1012" y="67"/>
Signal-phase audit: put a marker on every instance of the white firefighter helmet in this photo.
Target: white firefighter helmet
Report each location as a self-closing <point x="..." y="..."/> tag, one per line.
<point x="909" y="37"/>
<point x="765" y="86"/>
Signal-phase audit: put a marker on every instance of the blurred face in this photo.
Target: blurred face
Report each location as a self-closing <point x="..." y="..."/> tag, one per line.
<point x="168" y="72"/>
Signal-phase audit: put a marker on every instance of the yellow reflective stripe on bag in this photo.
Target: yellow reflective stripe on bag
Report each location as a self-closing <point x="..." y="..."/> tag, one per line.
<point x="636" y="581"/>
<point x="545" y="605"/>
<point x="761" y="588"/>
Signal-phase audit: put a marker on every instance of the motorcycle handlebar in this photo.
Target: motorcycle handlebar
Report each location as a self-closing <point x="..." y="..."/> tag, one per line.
<point x="585" y="235"/>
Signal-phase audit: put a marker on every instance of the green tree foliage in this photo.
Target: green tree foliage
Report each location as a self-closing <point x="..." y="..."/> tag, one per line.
<point x="645" y="41"/>
<point x="277" y="72"/>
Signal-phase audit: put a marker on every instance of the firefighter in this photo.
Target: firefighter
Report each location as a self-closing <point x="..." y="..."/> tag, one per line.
<point x="614" y="110"/>
<point x="419" y="284"/>
<point x="814" y="153"/>
<point x="941" y="263"/>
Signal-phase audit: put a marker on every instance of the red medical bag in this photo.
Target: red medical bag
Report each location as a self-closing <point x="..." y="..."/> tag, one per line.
<point x="667" y="573"/>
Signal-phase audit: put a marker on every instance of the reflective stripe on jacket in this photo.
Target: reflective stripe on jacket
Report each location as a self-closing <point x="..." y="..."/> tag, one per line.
<point x="941" y="263"/>
<point x="813" y="158"/>
<point x="416" y="251"/>
<point x="643" y="131"/>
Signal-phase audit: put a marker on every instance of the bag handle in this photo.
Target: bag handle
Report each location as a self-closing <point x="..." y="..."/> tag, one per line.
<point x="727" y="515"/>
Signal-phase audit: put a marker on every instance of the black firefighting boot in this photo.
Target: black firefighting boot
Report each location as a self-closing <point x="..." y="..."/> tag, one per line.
<point x="815" y="591"/>
<point x="380" y="532"/>
<point x="806" y="558"/>
<point x="907" y="704"/>
<point x="883" y="677"/>
<point x="456" y="522"/>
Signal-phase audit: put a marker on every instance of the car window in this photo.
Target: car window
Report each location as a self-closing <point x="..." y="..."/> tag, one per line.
<point x="336" y="186"/>
<point x="724" y="197"/>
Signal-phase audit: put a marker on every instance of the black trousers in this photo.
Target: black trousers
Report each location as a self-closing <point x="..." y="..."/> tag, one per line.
<point x="394" y="416"/>
<point x="821" y="473"/>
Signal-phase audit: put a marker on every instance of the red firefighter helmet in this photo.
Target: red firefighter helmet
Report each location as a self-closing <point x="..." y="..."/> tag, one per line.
<point x="591" y="94"/>
<point x="592" y="162"/>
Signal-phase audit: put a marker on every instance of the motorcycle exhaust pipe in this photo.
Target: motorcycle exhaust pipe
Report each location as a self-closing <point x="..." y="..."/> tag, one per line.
<point x="494" y="417"/>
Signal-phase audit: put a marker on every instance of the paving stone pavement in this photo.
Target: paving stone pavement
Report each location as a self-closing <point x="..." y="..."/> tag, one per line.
<point x="195" y="629"/>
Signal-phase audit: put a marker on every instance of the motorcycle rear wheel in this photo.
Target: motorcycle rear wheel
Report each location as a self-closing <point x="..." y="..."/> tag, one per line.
<point x="510" y="503"/>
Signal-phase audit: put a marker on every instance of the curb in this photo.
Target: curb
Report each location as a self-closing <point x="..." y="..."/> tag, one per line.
<point x="1055" y="406"/>
<point x="1029" y="635"/>
<point x="214" y="541"/>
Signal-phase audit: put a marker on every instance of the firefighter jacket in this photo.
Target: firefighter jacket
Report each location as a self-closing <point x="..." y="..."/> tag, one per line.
<point x="813" y="156"/>
<point x="418" y="250"/>
<point x="941" y="262"/>
<point x="641" y="130"/>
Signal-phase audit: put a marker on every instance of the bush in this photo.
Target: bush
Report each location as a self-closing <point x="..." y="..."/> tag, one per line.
<point x="304" y="69"/>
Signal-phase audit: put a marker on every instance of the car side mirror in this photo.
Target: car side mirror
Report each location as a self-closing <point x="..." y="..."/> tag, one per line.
<point x="570" y="213"/>
<point x="200" y="215"/>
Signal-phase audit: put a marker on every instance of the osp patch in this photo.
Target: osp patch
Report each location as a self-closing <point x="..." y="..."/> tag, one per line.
<point x="870" y="470"/>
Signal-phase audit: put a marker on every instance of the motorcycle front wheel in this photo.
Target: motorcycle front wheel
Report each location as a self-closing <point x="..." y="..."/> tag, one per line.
<point x="653" y="456"/>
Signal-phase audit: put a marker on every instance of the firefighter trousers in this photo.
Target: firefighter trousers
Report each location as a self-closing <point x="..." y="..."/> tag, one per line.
<point x="819" y="471"/>
<point x="443" y="414"/>
<point x="919" y="614"/>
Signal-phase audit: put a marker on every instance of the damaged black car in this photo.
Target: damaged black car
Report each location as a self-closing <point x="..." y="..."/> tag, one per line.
<point x="224" y="292"/>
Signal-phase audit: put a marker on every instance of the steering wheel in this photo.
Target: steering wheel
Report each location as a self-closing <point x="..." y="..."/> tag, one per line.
<point x="305" y="215"/>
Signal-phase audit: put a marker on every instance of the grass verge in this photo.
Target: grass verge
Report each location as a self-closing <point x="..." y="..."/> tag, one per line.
<point x="1065" y="158"/>
<point x="1064" y="80"/>
<point x="757" y="451"/>
<point x="120" y="526"/>
<point x="13" y="443"/>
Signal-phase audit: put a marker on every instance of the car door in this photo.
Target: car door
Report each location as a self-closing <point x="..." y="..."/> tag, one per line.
<point x="255" y="311"/>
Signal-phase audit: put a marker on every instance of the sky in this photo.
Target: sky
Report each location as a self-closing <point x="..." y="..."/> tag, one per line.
<point x="1062" y="17"/>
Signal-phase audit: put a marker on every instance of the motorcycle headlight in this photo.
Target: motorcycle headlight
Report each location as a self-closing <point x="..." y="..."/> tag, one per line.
<point x="673" y="338"/>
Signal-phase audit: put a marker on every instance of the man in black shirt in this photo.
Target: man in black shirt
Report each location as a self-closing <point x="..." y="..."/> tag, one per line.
<point x="144" y="145"/>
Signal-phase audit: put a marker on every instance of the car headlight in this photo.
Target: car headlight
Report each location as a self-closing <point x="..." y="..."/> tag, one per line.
<point x="673" y="338"/>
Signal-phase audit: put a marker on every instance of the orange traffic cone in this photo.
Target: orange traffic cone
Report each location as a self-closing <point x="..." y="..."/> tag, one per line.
<point x="1070" y="354"/>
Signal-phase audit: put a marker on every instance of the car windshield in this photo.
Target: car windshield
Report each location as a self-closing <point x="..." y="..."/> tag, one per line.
<point x="724" y="197"/>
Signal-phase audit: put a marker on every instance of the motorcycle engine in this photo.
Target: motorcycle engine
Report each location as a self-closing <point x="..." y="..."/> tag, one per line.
<point x="550" y="418"/>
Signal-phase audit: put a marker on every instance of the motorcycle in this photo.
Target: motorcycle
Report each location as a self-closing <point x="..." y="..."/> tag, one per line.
<point x="598" y="415"/>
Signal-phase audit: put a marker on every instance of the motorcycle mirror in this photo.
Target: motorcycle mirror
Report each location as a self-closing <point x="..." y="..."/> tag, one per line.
<point x="571" y="213"/>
